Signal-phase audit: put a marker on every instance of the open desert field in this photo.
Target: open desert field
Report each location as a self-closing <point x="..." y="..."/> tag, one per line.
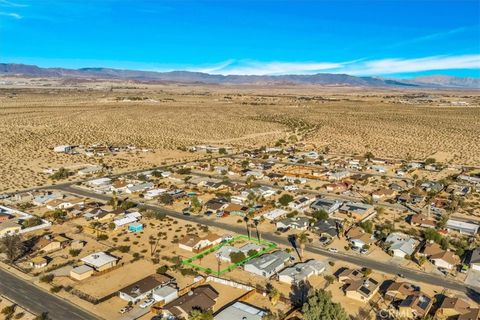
<point x="166" y="118"/>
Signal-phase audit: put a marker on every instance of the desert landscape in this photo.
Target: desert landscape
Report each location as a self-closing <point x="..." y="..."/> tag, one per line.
<point x="163" y="120"/>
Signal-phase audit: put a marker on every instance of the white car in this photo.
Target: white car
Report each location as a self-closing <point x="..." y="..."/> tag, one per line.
<point x="334" y="250"/>
<point x="290" y="188"/>
<point x="227" y="238"/>
<point x="147" y="303"/>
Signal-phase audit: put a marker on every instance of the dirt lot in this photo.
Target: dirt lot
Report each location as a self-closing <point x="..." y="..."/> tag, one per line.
<point x="348" y="121"/>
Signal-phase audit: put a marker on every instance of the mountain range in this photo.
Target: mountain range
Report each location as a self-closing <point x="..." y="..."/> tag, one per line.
<point x="325" y="79"/>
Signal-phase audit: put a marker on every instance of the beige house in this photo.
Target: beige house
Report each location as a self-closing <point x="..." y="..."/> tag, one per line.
<point x="456" y="307"/>
<point x="415" y="305"/>
<point x="100" y="261"/>
<point x="9" y="227"/>
<point x="81" y="272"/>
<point x="194" y="243"/>
<point x="362" y="290"/>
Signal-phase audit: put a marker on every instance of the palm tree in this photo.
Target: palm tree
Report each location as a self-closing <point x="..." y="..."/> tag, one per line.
<point x="255" y="223"/>
<point x="246" y="219"/>
<point x="302" y="240"/>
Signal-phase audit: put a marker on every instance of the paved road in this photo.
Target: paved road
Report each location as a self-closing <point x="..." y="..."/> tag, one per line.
<point x="359" y="260"/>
<point x="37" y="300"/>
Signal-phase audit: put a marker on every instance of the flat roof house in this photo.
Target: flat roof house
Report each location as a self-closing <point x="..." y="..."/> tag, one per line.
<point x="359" y="211"/>
<point x="295" y="223"/>
<point x="468" y="228"/>
<point x="301" y="271"/>
<point x="326" y="204"/>
<point x="268" y="264"/>
<point x="142" y="288"/>
<point x="474" y="260"/>
<point x="240" y="310"/>
<point x="100" y="261"/>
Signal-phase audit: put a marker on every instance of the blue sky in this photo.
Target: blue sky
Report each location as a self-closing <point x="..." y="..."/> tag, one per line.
<point x="382" y="38"/>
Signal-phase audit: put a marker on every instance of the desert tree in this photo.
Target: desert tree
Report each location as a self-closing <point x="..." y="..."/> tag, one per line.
<point x="12" y="246"/>
<point x="319" y="306"/>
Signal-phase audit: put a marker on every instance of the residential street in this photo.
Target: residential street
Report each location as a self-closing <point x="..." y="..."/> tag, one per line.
<point x="364" y="261"/>
<point x="37" y="300"/>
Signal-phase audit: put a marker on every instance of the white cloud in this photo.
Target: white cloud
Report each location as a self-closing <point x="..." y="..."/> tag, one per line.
<point x="357" y="67"/>
<point x="6" y="3"/>
<point x="11" y="14"/>
<point x="249" y="67"/>
<point x="392" y="66"/>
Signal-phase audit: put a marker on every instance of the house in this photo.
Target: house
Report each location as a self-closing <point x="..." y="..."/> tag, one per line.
<point x="326" y="228"/>
<point x="143" y="288"/>
<point x="90" y="170"/>
<point x="401" y="245"/>
<point x="4" y="217"/>
<point x="42" y="198"/>
<point x="453" y="308"/>
<point x="301" y="203"/>
<point x="294" y="179"/>
<point x="127" y="218"/>
<point x="338" y="187"/>
<point x="99" y="182"/>
<point x="339" y="175"/>
<point x="263" y="191"/>
<point x="357" y="210"/>
<point x="268" y="264"/>
<point x="154" y="193"/>
<point x="224" y="252"/>
<point x="135" y="227"/>
<point x="415" y="305"/>
<point x="66" y="203"/>
<point x="200" y="298"/>
<point x="63" y="149"/>
<point x="362" y="290"/>
<point x="347" y="276"/>
<point x="100" y="261"/>
<point x="359" y="237"/>
<point x="379" y="169"/>
<point x="327" y="204"/>
<point x="216" y="204"/>
<point x="240" y="310"/>
<point x="194" y="243"/>
<point x="421" y="220"/>
<point x="445" y="259"/>
<point x="38" y="262"/>
<point x="255" y="174"/>
<point x="236" y="209"/>
<point x="467" y="228"/>
<point x="399" y="290"/>
<point x="81" y="272"/>
<point x="474" y="260"/>
<point x="165" y="294"/>
<point x="9" y="227"/>
<point x="49" y="243"/>
<point x="140" y="187"/>
<point x="296" y="223"/>
<point x="469" y="179"/>
<point x="383" y="194"/>
<point x="274" y="214"/>
<point x="301" y="271"/>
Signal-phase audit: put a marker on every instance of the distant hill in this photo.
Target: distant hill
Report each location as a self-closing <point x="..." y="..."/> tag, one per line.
<point x="325" y="79"/>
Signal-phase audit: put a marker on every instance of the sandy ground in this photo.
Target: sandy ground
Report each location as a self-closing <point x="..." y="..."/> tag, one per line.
<point x="36" y="120"/>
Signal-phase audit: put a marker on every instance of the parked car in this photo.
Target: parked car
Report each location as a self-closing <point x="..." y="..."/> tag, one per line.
<point x="325" y="241"/>
<point x="227" y="238"/>
<point x="126" y="309"/>
<point x="147" y="303"/>
<point x="364" y="251"/>
<point x="334" y="250"/>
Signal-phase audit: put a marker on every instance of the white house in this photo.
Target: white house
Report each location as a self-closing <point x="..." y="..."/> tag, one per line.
<point x="401" y="245"/>
<point x="268" y="264"/>
<point x="63" y="149"/>
<point x="143" y="288"/>
<point x="301" y="271"/>
<point x="274" y="214"/>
